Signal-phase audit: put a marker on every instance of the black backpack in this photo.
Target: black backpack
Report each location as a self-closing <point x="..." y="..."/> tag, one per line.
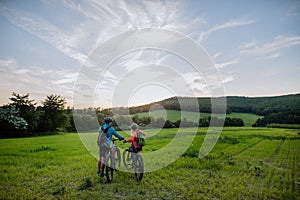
<point x="102" y="138"/>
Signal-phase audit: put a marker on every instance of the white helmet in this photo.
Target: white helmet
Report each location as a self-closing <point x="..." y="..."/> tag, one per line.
<point x="134" y="126"/>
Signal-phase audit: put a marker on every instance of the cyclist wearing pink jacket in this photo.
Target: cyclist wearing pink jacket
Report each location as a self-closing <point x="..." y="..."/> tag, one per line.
<point x="134" y="137"/>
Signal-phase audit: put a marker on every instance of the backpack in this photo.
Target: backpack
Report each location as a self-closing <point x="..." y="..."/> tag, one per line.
<point x="102" y="138"/>
<point x="140" y="139"/>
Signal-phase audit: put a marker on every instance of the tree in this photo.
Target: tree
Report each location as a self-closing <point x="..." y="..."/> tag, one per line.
<point x="26" y="109"/>
<point x="168" y="124"/>
<point x="52" y="114"/>
<point x="10" y="121"/>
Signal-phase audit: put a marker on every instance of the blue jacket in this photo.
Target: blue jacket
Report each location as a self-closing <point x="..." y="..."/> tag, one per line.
<point x="111" y="131"/>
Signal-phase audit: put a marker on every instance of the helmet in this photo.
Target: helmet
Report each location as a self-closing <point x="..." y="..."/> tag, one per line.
<point x="108" y="119"/>
<point x="134" y="126"/>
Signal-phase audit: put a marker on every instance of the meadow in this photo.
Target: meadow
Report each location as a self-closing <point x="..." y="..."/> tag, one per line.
<point x="246" y="163"/>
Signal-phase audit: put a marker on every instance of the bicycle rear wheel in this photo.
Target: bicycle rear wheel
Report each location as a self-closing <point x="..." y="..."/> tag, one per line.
<point x="127" y="158"/>
<point x="109" y="170"/>
<point x="139" y="168"/>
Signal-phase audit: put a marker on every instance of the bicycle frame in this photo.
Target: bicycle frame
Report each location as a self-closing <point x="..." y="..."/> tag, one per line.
<point x="110" y="160"/>
<point x="139" y="163"/>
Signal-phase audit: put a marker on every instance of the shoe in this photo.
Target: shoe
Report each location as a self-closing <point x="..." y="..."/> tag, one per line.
<point x="98" y="173"/>
<point x="102" y="175"/>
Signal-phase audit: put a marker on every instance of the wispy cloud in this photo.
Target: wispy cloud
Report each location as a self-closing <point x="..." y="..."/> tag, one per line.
<point x="225" y="64"/>
<point x="277" y="44"/>
<point x="228" y="78"/>
<point x="110" y="17"/>
<point x="43" y="30"/>
<point x="9" y="62"/>
<point x="248" y="44"/>
<point x="269" y="57"/>
<point x="229" y="24"/>
<point x="36" y="80"/>
<point x="218" y="54"/>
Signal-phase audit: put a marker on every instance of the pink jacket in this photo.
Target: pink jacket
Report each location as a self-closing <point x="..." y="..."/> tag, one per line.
<point x="134" y="138"/>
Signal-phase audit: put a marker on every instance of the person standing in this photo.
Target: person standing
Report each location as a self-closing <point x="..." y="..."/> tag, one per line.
<point x="134" y="140"/>
<point x="104" y="142"/>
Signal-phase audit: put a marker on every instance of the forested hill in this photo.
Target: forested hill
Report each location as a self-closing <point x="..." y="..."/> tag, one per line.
<point x="256" y="105"/>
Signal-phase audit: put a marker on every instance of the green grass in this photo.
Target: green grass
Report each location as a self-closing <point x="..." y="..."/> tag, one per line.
<point x="246" y="163"/>
<point x="291" y="126"/>
<point x="174" y="115"/>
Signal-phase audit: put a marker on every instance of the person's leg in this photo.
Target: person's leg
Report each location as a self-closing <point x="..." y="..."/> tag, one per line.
<point x="102" y="165"/>
<point x="133" y="157"/>
<point x="101" y="161"/>
<point x="99" y="165"/>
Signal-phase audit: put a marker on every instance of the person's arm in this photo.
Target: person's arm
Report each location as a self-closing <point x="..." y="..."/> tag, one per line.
<point x="131" y="139"/>
<point x="142" y="132"/>
<point x="115" y="133"/>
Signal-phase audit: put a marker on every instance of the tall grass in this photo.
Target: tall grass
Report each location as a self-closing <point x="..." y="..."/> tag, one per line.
<point x="290" y="126"/>
<point x="246" y="163"/>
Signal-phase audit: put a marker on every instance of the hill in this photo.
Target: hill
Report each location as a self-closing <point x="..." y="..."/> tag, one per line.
<point x="256" y="105"/>
<point x="276" y="109"/>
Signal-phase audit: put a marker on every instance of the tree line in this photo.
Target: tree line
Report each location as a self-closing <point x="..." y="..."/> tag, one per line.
<point x="278" y="109"/>
<point x="21" y="116"/>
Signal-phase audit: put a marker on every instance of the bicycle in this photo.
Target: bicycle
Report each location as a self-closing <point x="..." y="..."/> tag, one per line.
<point x="139" y="163"/>
<point x="112" y="158"/>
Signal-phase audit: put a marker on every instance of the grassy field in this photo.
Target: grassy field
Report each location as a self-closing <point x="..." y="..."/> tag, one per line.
<point x="174" y="115"/>
<point x="246" y="163"/>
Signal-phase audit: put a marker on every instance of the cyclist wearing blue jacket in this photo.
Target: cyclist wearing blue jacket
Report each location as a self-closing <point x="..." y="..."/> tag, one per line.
<point x="105" y="145"/>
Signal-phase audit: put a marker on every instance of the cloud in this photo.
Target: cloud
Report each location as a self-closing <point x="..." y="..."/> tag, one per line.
<point x="100" y="21"/>
<point x="225" y="64"/>
<point x="217" y="55"/>
<point x="66" y="78"/>
<point x="277" y="44"/>
<point x="108" y="18"/>
<point x="269" y="57"/>
<point x="43" y="30"/>
<point x="228" y="78"/>
<point x="276" y="55"/>
<point x="9" y="62"/>
<point x="229" y="24"/>
<point x="36" y="80"/>
<point x="249" y="44"/>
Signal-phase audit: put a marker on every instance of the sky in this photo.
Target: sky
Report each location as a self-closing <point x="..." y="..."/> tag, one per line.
<point x="45" y="45"/>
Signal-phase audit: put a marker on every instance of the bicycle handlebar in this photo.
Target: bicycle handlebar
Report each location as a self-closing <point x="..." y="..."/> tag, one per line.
<point x="114" y="139"/>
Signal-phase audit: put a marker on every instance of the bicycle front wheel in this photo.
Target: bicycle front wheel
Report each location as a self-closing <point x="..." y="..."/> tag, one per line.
<point x="127" y="158"/>
<point x="139" y="168"/>
<point x="117" y="158"/>
<point x="109" y="169"/>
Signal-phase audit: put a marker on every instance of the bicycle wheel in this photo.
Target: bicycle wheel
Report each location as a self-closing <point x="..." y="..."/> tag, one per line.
<point x="139" y="168"/>
<point x="109" y="169"/>
<point x="117" y="158"/>
<point x="127" y="158"/>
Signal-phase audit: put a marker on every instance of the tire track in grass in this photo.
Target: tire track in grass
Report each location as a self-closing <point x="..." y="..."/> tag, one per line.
<point x="229" y="148"/>
<point x="270" y="161"/>
<point x="286" y="170"/>
<point x="248" y="147"/>
<point x="269" y="178"/>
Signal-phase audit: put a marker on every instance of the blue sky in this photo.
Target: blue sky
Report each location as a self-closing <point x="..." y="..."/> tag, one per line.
<point x="255" y="45"/>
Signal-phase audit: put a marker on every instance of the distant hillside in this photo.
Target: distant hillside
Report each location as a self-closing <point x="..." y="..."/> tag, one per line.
<point x="276" y="109"/>
<point x="174" y="115"/>
<point x="256" y="105"/>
